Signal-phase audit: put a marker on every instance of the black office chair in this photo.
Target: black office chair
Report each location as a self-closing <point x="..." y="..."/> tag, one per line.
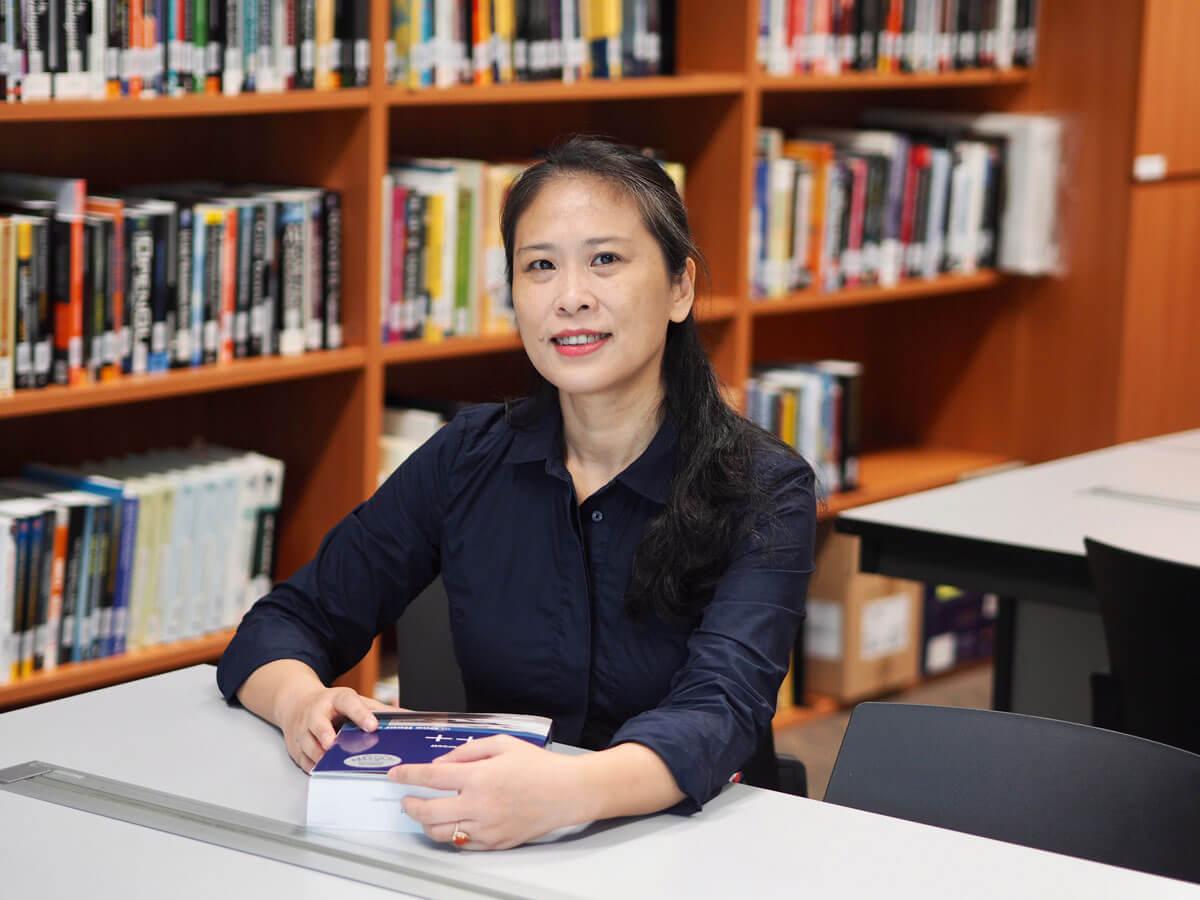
<point x="430" y="678"/>
<point x="1151" y="613"/>
<point x="1058" y="786"/>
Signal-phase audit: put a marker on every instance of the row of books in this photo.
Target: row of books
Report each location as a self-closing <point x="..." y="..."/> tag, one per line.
<point x="439" y="43"/>
<point x="405" y="428"/>
<point x="841" y="208"/>
<point x="154" y="277"/>
<point x="828" y="37"/>
<point x="153" y="48"/>
<point x="816" y="408"/>
<point x="128" y="553"/>
<point x="443" y="258"/>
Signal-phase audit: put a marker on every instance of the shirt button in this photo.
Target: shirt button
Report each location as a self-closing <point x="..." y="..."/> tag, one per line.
<point x="597" y="516"/>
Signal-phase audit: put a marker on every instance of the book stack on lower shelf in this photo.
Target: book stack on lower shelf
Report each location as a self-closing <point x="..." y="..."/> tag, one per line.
<point x="123" y="555"/>
<point x="143" y="280"/>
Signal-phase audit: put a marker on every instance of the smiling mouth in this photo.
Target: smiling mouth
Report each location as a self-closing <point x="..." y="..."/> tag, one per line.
<point x="578" y="340"/>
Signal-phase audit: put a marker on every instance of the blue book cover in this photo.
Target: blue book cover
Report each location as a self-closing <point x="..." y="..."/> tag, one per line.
<point x="348" y="787"/>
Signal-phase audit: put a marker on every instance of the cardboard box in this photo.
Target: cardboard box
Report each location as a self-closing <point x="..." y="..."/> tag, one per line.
<point x="863" y="632"/>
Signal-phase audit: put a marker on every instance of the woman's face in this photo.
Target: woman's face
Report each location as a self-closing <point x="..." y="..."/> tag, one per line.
<point x="591" y="290"/>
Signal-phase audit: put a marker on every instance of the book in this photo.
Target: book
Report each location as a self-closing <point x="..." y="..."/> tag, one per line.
<point x="348" y="787"/>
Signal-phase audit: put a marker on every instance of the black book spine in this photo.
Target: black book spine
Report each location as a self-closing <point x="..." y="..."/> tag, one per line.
<point x="343" y="33"/>
<point x="362" y="44"/>
<point x="521" y="40"/>
<point x="214" y="238"/>
<point x="95" y="296"/>
<point x="908" y="31"/>
<point x="117" y="48"/>
<point x="265" y="42"/>
<point x="291" y="281"/>
<point x="306" y="42"/>
<point x="270" y="310"/>
<point x="333" y="269"/>
<point x="654" y="24"/>
<point x="414" y="267"/>
<point x="67" y="624"/>
<point x="112" y="277"/>
<point x="43" y="348"/>
<point x="964" y="41"/>
<point x="245" y="269"/>
<point x="876" y="211"/>
<point x="21" y="604"/>
<point x="554" y="40"/>
<point x="258" y="263"/>
<point x="139" y="290"/>
<point x="315" y="337"/>
<point x="181" y="346"/>
<point x="921" y="211"/>
<point x="45" y="572"/>
<point x="61" y="292"/>
<point x="993" y="204"/>
<point x="162" y="330"/>
<point x="214" y="58"/>
<point x="186" y="40"/>
<point x="33" y="592"/>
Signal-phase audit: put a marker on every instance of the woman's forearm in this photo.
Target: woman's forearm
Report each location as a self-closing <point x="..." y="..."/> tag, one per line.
<point x="625" y="780"/>
<point x="274" y="687"/>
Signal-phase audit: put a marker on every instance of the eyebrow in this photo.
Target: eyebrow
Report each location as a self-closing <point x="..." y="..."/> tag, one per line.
<point x="590" y="242"/>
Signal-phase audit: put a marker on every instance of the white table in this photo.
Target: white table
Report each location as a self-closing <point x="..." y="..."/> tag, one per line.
<point x="1020" y="534"/>
<point x="174" y="733"/>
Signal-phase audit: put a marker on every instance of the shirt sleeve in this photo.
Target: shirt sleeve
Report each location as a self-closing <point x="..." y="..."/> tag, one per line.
<point x="722" y="699"/>
<point x="367" y="570"/>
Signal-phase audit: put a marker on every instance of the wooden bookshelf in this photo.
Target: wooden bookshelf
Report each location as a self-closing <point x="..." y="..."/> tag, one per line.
<point x="886" y="474"/>
<point x="181" y="382"/>
<point x="902" y="81"/>
<point x="75" y="678"/>
<point x="812" y="300"/>
<point x="976" y="370"/>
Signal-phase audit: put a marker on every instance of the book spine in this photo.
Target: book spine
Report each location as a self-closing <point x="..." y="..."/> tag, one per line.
<point x="271" y="314"/>
<point x="249" y="34"/>
<point x="314" y="319"/>
<point x="258" y="264"/>
<point x="399" y="314"/>
<point x="332" y="269"/>
<point x="199" y="307"/>
<point x="216" y="61"/>
<point x="227" y="284"/>
<point x="233" y="44"/>
<point x="61" y="292"/>
<point x="245" y="266"/>
<point x="267" y="72"/>
<point x="214" y="239"/>
<point x="306" y="43"/>
<point x="18" y="329"/>
<point x="35" y="604"/>
<point x="181" y="344"/>
<point x="124" y="516"/>
<point x="22" y="657"/>
<point x="68" y="625"/>
<point x="161" y="315"/>
<point x="140" y="241"/>
<point x="110" y="357"/>
<point x="291" y="278"/>
<point x="101" y="601"/>
<point x="95" y="282"/>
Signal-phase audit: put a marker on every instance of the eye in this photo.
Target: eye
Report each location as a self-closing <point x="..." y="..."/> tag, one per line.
<point x="540" y="265"/>
<point x="605" y="258"/>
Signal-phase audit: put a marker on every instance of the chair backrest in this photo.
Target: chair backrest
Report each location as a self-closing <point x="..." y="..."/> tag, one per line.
<point x="430" y="678"/>
<point x="1151" y="613"/>
<point x="1042" y="783"/>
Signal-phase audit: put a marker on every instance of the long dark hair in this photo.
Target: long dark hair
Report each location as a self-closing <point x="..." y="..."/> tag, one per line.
<point x="686" y="547"/>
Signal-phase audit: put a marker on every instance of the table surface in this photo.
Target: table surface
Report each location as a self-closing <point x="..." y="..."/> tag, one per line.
<point x="1053" y="506"/>
<point x="174" y="733"/>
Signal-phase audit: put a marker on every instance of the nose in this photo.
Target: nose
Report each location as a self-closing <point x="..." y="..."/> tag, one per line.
<point x="573" y="297"/>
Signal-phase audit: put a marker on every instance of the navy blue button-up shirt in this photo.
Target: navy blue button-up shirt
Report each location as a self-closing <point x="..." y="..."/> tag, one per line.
<point x="536" y="584"/>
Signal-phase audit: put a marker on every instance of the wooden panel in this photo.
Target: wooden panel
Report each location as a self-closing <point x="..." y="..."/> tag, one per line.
<point x="1160" y="377"/>
<point x="1168" y="116"/>
<point x="1066" y="340"/>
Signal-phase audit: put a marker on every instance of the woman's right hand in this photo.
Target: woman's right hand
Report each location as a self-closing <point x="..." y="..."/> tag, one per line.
<point x="311" y="718"/>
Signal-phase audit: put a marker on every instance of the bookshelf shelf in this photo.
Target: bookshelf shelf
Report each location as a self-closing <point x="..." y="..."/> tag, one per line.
<point x="75" y="678"/>
<point x="893" y="473"/>
<point x="557" y="92"/>
<point x="876" y="81"/>
<point x="811" y="300"/>
<point x="177" y="383"/>
<point x="176" y="107"/>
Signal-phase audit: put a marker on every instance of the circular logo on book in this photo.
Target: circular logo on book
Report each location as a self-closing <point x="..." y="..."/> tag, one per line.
<point x="373" y="761"/>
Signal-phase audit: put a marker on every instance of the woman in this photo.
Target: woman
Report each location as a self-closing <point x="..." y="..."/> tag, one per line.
<point x="622" y="551"/>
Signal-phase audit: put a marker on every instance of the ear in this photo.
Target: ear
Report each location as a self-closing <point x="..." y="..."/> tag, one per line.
<point x="683" y="292"/>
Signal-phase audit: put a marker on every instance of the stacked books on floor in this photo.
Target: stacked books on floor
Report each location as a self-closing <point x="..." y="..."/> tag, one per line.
<point x="827" y="37"/>
<point x="816" y="408"/>
<point x="443" y="257"/>
<point x="143" y="280"/>
<point x="124" y="554"/>
<point x="94" y="49"/>
<point x="440" y="43"/>
<point x="915" y="195"/>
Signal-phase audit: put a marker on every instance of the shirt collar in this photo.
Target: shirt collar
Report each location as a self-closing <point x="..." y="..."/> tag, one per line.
<point x="540" y="440"/>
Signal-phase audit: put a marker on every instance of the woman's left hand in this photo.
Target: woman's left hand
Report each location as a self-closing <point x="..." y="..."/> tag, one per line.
<point x="509" y="792"/>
